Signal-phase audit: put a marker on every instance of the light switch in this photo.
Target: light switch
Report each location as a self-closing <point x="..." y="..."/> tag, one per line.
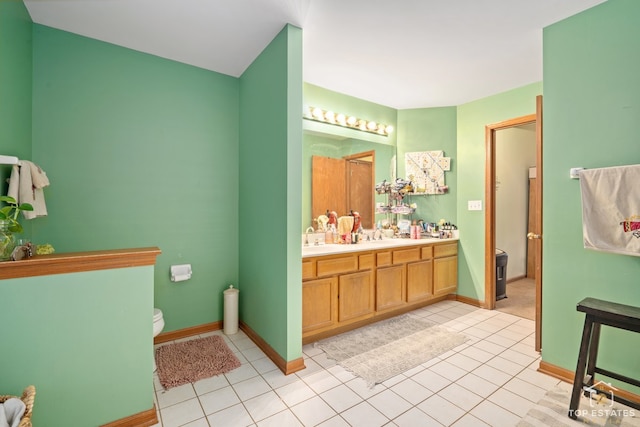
<point x="474" y="205"/>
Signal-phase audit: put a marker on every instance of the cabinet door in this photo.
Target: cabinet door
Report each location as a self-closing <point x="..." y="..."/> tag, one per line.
<point x="356" y="296"/>
<point x="445" y="275"/>
<point x="419" y="280"/>
<point x="319" y="304"/>
<point x="390" y="287"/>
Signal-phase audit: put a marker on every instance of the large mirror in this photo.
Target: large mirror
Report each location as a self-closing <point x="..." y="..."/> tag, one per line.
<point x="347" y="187"/>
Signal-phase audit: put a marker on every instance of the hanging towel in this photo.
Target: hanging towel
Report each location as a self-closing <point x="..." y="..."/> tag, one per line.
<point x="611" y="209"/>
<point x="25" y="185"/>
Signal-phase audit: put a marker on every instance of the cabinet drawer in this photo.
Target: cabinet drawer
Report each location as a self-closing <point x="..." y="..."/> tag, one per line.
<point x="445" y="250"/>
<point x="427" y="252"/>
<point x="308" y="270"/>
<point x="330" y="266"/>
<point x="406" y="255"/>
<point x="383" y="258"/>
<point x="365" y="262"/>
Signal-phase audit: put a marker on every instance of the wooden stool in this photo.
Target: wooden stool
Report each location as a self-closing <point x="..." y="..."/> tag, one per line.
<point x="599" y="312"/>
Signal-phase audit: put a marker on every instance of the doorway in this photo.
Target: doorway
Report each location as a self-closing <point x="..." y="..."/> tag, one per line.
<point x="534" y="233"/>
<point x="344" y="185"/>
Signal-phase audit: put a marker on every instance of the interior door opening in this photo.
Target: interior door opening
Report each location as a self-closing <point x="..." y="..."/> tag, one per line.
<point x="534" y="224"/>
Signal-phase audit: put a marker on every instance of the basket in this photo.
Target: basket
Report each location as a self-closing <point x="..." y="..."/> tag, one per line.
<point x="28" y="395"/>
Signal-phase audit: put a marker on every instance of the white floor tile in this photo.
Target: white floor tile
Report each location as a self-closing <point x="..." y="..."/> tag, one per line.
<point x="364" y="415"/>
<point x="175" y="395"/>
<point x="389" y="403"/>
<point x="321" y="381"/>
<point x="494" y="415"/>
<point x="294" y="393"/>
<point x="411" y="391"/>
<point x="460" y="396"/>
<point x="264" y="406"/>
<point x="469" y="420"/>
<point x="431" y="380"/>
<point x="313" y="411"/>
<point x="448" y="370"/>
<point x="235" y="415"/>
<point x="525" y="389"/>
<point x="491" y="379"/>
<point x="415" y="417"/>
<point x="181" y="413"/>
<point x="441" y="410"/>
<point x="218" y="400"/>
<point x="477" y="385"/>
<point x="336" y="421"/>
<point x="281" y="419"/>
<point x="251" y="388"/>
<point x="511" y="402"/>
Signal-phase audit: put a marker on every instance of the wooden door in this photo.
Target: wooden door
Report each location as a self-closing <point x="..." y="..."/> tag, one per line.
<point x="360" y="190"/>
<point x="390" y="287"/>
<point x="419" y="280"/>
<point x="319" y="304"/>
<point x="356" y="296"/>
<point x="531" y="246"/>
<point x="328" y="187"/>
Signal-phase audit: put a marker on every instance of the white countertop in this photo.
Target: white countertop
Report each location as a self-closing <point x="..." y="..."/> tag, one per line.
<point x="334" y="249"/>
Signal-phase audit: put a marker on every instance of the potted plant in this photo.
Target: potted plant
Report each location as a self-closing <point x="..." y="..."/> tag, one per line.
<point x="9" y="225"/>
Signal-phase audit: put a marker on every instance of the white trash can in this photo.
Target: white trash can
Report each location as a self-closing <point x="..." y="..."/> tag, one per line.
<point x="230" y="323"/>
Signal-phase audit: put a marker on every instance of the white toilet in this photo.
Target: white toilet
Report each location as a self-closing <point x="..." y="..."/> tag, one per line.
<point x="158" y="325"/>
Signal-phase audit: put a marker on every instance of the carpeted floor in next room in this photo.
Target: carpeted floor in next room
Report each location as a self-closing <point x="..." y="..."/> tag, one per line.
<point x="520" y="300"/>
<point x="489" y="380"/>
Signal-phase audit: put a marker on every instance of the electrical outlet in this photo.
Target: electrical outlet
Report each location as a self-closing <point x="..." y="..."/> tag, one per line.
<point x="474" y="205"/>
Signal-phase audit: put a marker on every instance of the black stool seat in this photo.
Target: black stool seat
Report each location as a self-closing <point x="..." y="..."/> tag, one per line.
<point x="599" y="312"/>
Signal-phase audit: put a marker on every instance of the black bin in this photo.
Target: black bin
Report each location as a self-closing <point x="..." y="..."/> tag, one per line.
<point x="501" y="274"/>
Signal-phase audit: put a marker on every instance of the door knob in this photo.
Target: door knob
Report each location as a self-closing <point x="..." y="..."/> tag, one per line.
<point x="532" y="236"/>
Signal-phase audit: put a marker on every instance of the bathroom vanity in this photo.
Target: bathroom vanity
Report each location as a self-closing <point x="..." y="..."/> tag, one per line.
<point x="347" y="286"/>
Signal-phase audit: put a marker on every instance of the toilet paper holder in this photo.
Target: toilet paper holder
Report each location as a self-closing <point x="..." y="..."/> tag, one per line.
<point x="180" y="272"/>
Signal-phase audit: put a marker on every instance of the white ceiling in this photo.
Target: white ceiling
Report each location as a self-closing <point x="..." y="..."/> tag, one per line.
<point x="399" y="53"/>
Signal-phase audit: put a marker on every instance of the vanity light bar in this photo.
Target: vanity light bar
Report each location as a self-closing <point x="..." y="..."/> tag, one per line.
<point x="328" y="116"/>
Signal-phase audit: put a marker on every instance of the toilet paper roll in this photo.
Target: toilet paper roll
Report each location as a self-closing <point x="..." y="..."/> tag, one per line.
<point x="180" y="277"/>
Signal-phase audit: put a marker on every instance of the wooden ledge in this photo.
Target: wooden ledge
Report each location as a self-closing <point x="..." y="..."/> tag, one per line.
<point x="74" y="262"/>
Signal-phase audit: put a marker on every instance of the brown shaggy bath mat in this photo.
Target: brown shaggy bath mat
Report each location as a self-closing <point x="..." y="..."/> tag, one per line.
<point x="189" y="361"/>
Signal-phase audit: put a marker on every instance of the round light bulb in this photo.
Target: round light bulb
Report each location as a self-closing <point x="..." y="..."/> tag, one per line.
<point x="317" y="113"/>
<point x="330" y="116"/>
<point x="342" y="119"/>
<point x="351" y="121"/>
<point x="389" y="129"/>
<point x="372" y="125"/>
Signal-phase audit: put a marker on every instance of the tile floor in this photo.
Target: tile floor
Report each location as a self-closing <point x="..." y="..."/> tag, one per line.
<point x="489" y="380"/>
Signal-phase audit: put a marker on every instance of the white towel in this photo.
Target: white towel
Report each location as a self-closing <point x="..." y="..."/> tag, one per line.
<point x="11" y="412"/>
<point x="611" y="209"/>
<point x="26" y="184"/>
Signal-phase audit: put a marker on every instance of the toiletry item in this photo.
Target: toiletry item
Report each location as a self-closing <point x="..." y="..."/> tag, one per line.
<point x="328" y="236"/>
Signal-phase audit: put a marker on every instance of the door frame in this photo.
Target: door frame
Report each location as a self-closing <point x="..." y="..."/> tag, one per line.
<point x="490" y="212"/>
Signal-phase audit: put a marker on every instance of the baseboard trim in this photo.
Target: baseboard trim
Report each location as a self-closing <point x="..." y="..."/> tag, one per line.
<point x="286" y="367"/>
<point x="567" y="375"/>
<point x="187" y="332"/>
<point x="141" y="419"/>
<point x="470" y="301"/>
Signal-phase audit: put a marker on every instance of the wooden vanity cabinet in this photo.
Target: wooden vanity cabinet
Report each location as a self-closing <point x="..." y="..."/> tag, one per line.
<point x="337" y="290"/>
<point x="349" y="289"/>
<point x="445" y="269"/>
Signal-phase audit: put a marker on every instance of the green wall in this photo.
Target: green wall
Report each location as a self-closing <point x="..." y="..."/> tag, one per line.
<point x="592" y="111"/>
<point x="429" y="129"/>
<point x="85" y="340"/>
<point x="140" y="151"/>
<point x="472" y="119"/>
<point x="269" y="208"/>
<point x="15" y="85"/>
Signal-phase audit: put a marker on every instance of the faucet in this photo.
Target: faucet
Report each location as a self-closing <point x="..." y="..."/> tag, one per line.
<point x="306" y="237"/>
